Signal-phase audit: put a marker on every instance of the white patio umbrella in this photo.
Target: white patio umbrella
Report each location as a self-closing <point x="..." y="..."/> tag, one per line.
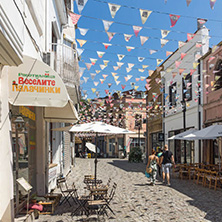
<point x="211" y="132"/>
<point x="99" y="127"/>
<point x="181" y="136"/>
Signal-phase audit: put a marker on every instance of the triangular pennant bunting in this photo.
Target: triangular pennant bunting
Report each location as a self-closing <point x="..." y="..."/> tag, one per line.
<point x="140" y="59"/>
<point x="120" y="57"/>
<point x="136" y="29"/>
<point x="102" y="66"/>
<point x="129" y="48"/>
<point x="144" y="14"/>
<point x="100" y="54"/>
<point x="163" y="42"/>
<point x="173" y="19"/>
<point x="182" y="55"/>
<point x="85" y="79"/>
<point x="107" y="24"/>
<point x="143" y="39"/>
<point x="168" y="53"/>
<point x="110" y="35"/>
<point x="96" y="83"/>
<point x="88" y="65"/>
<point x="113" y="9"/>
<point x="93" y="90"/>
<point x="152" y="51"/>
<point x="127" y="37"/>
<point x="74" y="17"/>
<point x="93" y="61"/>
<point x="81" y="42"/>
<point x="119" y="64"/>
<point x="81" y="4"/>
<point x="158" y="61"/>
<point x="164" y="33"/>
<point x="181" y="44"/>
<point x="212" y="2"/>
<point x="92" y="76"/>
<point x="83" y="31"/>
<point x="79" y="51"/>
<point x="188" y="2"/>
<point x="128" y="69"/>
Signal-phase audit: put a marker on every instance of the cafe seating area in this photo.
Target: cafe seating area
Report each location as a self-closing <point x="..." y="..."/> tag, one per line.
<point x="208" y="175"/>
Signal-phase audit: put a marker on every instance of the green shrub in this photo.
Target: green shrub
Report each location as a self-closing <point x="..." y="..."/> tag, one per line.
<point x="135" y="155"/>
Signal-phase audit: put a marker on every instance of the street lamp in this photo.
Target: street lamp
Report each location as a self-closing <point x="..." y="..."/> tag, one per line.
<point x="19" y="125"/>
<point x="184" y="109"/>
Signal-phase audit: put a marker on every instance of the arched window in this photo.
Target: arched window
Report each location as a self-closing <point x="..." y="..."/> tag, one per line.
<point x="218" y="75"/>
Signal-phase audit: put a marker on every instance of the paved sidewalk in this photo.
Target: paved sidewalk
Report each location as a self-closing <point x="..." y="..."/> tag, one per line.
<point x="136" y="200"/>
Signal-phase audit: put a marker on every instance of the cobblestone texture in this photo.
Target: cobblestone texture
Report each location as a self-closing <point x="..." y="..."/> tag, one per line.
<point x="136" y="200"/>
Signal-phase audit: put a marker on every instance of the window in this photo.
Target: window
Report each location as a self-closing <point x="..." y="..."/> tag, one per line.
<point x="218" y="75"/>
<point x="138" y="121"/>
<point x="172" y="93"/>
<point x="187" y="88"/>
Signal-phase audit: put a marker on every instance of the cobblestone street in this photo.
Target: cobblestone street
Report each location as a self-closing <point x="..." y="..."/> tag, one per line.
<point x="136" y="200"/>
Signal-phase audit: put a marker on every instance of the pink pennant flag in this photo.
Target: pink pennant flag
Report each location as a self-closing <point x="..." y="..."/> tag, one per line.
<point x="182" y="55"/>
<point x="188" y="2"/>
<point x="211" y="58"/>
<point x="74" y="17"/>
<point x="190" y="36"/>
<point x="168" y="53"/>
<point x="181" y="71"/>
<point x="174" y="74"/>
<point x="110" y="35"/>
<point x="104" y="76"/>
<point x="137" y="79"/>
<point x="177" y="63"/>
<point x="148" y="80"/>
<point x="136" y="30"/>
<point x="212" y="2"/>
<point x="123" y="86"/>
<point x="174" y="19"/>
<point x="107" y="91"/>
<point x="198" y="45"/>
<point x="106" y="45"/>
<point x="126" y="78"/>
<point x="192" y="71"/>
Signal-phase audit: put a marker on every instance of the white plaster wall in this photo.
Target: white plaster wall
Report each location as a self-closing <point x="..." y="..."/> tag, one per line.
<point x="6" y="163"/>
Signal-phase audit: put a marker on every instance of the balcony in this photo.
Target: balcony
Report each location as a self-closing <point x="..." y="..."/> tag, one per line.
<point x="63" y="59"/>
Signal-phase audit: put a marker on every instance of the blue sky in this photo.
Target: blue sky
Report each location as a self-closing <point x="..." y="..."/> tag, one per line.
<point x="128" y="15"/>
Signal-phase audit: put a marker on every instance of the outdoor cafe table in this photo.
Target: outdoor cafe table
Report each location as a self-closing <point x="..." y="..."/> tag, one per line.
<point x="99" y="191"/>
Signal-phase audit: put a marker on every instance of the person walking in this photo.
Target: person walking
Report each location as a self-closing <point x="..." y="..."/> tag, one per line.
<point x="158" y="166"/>
<point x="153" y="160"/>
<point x="166" y="161"/>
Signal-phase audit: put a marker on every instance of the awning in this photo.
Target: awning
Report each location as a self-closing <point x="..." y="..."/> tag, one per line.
<point x="66" y="114"/>
<point x="92" y="147"/>
<point x="34" y="83"/>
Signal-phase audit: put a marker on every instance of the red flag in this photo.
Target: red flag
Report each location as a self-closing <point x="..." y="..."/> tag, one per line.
<point x="190" y="36"/>
<point x="192" y="71"/>
<point x="74" y="17"/>
<point x="107" y="91"/>
<point x="174" y="19"/>
<point x="123" y="86"/>
<point x="183" y="55"/>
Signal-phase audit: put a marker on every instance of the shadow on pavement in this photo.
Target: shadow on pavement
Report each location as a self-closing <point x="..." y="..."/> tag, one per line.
<point x="207" y="200"/>
<point x="127" y="166"/>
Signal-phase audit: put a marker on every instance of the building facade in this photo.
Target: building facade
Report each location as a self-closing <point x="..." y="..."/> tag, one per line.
<point x="212" y="101"/>
<point x="183" y="101"/>
<point x="32" y="34"/>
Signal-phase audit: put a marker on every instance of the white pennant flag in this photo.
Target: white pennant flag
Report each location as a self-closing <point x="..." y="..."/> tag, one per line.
<point x="120" y="57"/>
<point x="113" y="9"/>
<point x="117" y="83"/>
<point x="129" y="77"/>
<point x="130" y="65"/>
<point x="164" y="33"/>
<point x="102" y="66"/>
<point x="163" y="42"/>
<point x="140" y="59"/>
<point x="128" y="69"/>
<point x="127" y="37"/>
<point x="100" y="54"/>
<point x="81" y="42"/>
<point x="79" y="51"/>
<point x="81" y="71"/>
<point x="143" y="39"/>
<point x="92" y="75"/>
<point x="116" y="77"/>
<point x="181" y="44"/>
<point x="144" y="15"/>
<point x="96" y="83"/>
<point x="85" y="79"/>
<point x="158" y="61"/>
<point x="107" y="24"/>
<point x="119" y="64"/>
<point x="88" y="65"/>
<point x="81" y="4"/>
<point x="98" y="71"/>
<point x="152" y="51"/>
<point x="83" y="31"/>
<point x="110" y="35"/>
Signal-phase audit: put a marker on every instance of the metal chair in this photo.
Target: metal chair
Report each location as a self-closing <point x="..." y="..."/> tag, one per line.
<point x="67" y="193"/>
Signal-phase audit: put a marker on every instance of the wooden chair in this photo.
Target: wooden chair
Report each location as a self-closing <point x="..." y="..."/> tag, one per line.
<point x="195" y="173"/>
<point x="207" y="177"/>
<point x="184" y="171"/>
<point x="214" y="177"/>
<point x="200" y="176"/>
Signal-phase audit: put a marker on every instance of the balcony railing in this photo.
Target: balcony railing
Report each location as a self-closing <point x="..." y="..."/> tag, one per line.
<point x="64" y="61"/>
